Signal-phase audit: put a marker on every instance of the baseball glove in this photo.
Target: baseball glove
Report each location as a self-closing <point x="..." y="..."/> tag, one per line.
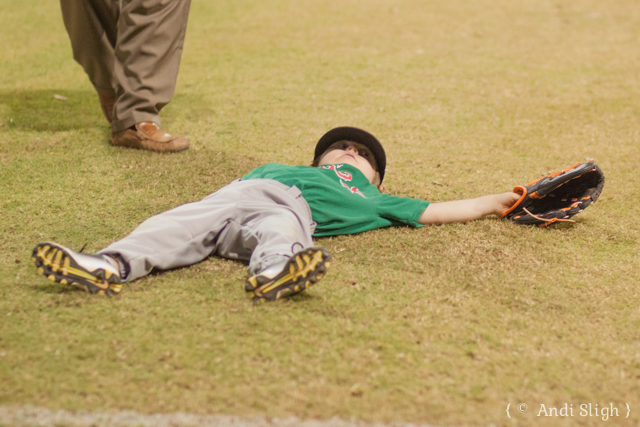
<point x="558" y="196"/>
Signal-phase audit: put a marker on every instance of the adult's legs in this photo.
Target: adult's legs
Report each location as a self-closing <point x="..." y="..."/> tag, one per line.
<point x="91" y="25"/>
<point x="150" y="36"/>
<point x="131" y="50"/>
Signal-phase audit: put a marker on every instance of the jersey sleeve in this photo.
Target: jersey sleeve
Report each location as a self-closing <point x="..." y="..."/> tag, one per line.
<point x="404" y="210"/>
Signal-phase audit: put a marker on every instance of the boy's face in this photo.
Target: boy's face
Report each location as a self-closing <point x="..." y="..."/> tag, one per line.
<point x="351" y="153"/>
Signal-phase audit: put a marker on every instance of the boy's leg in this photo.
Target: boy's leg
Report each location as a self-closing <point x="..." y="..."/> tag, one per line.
<point x="269" y="224"/>
<point x="95" y="274"/>
<point x="189" y="233"/>
<point x="274" y="225"/>
<point x="179" y="237"/>
<point x="230" y="222"/>
<point x="258" y="220"/>
<point x="302" y="270"/>
<point x="265" y="234"/>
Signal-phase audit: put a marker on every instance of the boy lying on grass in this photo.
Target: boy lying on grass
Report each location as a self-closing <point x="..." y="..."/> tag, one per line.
<point x="268" y="218"/>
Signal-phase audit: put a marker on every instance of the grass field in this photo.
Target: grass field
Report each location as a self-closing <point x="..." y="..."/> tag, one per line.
<point x="444" y="325"/>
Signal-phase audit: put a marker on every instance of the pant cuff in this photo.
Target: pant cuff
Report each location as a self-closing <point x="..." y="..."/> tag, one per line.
<point x="266" y="263"/>
<point x="133" y="119"/>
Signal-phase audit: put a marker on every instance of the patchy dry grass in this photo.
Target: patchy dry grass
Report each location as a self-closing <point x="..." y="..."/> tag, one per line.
<point x="443" y="325"/>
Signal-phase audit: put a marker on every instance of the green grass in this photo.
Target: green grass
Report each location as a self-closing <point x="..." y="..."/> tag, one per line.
<point x="443" y="325"/>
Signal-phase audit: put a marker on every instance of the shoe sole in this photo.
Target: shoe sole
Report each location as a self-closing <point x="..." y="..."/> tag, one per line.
<point x="177" y="150"/>
<point x="58" y="265"/>
<point x="147" y="144"/>
<point x="303" y="270"/>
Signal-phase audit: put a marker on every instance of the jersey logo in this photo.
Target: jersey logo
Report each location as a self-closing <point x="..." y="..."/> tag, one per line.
<point x="344" y="176"/>
<point x="354" y="190"/>
<point x="341" y="174"/>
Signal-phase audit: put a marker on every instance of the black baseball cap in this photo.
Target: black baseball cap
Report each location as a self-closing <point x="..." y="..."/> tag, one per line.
<point x="346" y="133"/>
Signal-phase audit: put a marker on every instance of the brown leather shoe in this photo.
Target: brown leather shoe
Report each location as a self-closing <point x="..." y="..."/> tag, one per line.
<point x="106" y="102"/>
<point x="149" y="136"/>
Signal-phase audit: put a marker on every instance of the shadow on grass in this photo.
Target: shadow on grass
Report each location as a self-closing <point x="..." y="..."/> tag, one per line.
<point x="43" y="110"/>
<point x="157" y="271"/>
<point x="52" y="288"/>
<point x="40" y="110"/>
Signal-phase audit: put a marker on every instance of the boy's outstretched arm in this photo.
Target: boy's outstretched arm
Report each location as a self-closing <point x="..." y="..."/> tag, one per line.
<point x="467" y="210"/>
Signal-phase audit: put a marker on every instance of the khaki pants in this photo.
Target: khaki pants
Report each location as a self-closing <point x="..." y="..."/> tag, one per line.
<point x="259" y="220"/>
<point x="130" y="49"/>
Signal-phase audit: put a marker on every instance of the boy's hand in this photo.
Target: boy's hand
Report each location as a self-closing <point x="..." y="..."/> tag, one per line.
<point x="504" y="201"/>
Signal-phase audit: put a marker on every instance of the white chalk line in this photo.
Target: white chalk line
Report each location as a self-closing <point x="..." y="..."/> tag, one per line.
<point x="32" y="416"/>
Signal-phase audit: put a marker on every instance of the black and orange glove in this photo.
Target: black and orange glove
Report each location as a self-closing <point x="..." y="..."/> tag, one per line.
<point x="558" y="196"/>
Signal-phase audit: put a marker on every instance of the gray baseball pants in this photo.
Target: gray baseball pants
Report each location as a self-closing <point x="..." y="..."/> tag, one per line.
<point x="259" y="220"/>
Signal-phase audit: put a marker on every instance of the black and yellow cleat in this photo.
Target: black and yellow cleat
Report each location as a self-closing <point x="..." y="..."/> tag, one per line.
<point x="302" y="270"/>
<point x="93" y="273"/>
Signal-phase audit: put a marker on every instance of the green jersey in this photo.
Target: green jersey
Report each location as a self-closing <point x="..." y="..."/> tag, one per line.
<point x="341" y="198"/>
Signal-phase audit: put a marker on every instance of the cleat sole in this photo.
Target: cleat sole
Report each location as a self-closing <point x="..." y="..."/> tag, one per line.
<point x="59" y="266"/>
<point x="301" y="272"/>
